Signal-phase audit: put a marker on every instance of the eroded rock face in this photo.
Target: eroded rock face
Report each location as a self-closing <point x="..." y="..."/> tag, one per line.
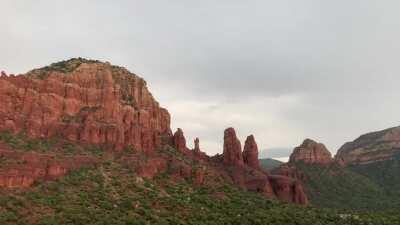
<point x="250" y="153"/>
<point x="86" y="101"/>
<point x="22" y="169"/>
<point x="232" y="154"/>
<point x="311" y="152"/>
<point x="150" y="168"/>
<point x="288" y="189"/>
<point x="180" y="141"/>
<point x="245" y="172"/>
<point x="199" y="176"/>
<point x="92" y="102"/>
<point x="372" y="147"/>
<point x="197" y="153"/>
<point x="197" y="145"/>
<point x="288" y="170"/>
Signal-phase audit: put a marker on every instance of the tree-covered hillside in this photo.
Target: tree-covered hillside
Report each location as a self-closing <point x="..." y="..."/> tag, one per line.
<point x="364" y="187"/>
<point x="111" y="194"/>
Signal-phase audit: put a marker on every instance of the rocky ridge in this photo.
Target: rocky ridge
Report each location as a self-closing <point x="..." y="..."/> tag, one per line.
<point x="372" y="147"/>
<point x="90" y="102"/>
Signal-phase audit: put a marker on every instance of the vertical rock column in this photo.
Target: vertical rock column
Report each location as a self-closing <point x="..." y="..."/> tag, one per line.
<point x="232" y="154"/>
<point x="250" y="153"/>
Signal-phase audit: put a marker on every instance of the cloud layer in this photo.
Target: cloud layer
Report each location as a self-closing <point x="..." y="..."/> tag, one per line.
<point x="281" y="70"/>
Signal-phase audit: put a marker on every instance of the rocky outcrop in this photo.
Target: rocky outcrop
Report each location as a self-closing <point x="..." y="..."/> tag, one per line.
<point x="288" y="189"/>
<point x="250" y="153"/>
<point x="245" y="171"/>
<point x="311" y="152"/>
<point x="232" y="154"/>
<point x="289" y="170"/>
<point x="197" y="153"/>
<point x="86" y="101"/>
<point x="180" y="141"/>
<point x="22" y="169"/>
<point x="151" y="167"/>
<point x="372" y="147"/>
<point x="196" y="145"/>
<point x="93" y="103"/>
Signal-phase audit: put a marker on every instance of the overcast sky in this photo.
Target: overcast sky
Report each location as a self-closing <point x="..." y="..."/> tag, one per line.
<point x="281" y="70"/>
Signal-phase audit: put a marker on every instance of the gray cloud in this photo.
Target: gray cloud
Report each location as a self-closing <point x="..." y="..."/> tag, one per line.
<point x="283" y="70"/>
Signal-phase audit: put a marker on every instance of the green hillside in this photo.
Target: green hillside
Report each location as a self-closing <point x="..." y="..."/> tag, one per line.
<point x="269" y="164"/>
<point x="112" y="194"/>
<point x="386" y="174"/>
<point x="368" y="187"/>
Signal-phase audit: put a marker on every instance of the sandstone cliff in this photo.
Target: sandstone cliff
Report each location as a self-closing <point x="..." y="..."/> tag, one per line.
<point x="85" y="101"/>
<point x="311" y="152"/>
<point x="371" y="147"/>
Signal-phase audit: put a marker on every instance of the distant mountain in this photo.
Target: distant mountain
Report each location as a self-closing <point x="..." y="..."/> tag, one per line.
<point x="363" y="175"/>
<point x="372" y="147"/>
<point x="269" y="164"/>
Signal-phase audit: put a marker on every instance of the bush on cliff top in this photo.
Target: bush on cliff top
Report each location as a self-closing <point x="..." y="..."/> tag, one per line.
<point x="65" y="66"/>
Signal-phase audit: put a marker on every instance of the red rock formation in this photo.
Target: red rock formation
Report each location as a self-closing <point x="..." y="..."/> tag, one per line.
<point x="288" y="189"/>
<point x="197" y="145"/>
<point x="180" y="141"/>
<point x="23" y="169"/>
<point x="311" y="152"/>
<point x="250" y="153"/>
<point x="289" y="171"/>
<point x="151" y="167"/>
<point x="199" y="176"/>
<point x="245" y="172"/>
<point x="370" y="148"/>
<point x="197" y="153"/>
<point x="232" y="154"/>
<point x="95" y="102"/>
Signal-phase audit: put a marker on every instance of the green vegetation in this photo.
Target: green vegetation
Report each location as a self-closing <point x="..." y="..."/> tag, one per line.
<point x="269" y="164"/>
<point x="360" y="188"/>
<point x="112" y="194"/>
<point x="386" y="175"/>
<point x="21" y="142"/>
<point x="65" y="66"/>
<point x="121" y="76"/>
